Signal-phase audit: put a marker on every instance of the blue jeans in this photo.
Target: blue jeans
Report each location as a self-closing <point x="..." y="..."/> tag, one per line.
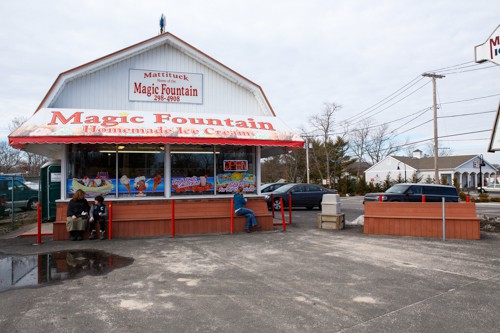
<point x="251" y="221"/>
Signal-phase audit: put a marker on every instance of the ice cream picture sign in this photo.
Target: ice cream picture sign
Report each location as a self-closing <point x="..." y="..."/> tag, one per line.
<point x="103" y="185"/>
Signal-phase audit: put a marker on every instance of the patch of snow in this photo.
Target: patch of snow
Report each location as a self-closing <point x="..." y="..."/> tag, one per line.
<point x="360" y="220"/>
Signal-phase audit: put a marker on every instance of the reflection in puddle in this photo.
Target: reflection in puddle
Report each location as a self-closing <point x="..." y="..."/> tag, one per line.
<point x="41" y="269"/>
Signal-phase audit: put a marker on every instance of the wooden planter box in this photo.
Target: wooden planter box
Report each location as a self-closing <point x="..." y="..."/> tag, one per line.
<point x="142" y="218"/>
<point x="422" y="219"/>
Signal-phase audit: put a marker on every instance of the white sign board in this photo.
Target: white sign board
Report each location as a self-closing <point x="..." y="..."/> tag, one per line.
<point x="165" y="87"/>
<point x="55" y="177"/>
<point x="489" y="50"/>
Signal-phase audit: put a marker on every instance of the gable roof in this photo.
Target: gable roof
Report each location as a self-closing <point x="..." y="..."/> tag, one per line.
<point x="427" y="163"/>
<point x="166" y="38"/>
<point x="55" y="125"/>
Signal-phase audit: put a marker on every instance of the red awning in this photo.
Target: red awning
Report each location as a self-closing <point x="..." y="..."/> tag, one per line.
<point x="65" y="126"/>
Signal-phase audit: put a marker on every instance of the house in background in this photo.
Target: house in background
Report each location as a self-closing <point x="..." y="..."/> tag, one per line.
<point x="465" y="168"/>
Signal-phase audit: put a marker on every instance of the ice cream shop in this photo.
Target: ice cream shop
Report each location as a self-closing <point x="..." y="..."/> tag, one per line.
<point x="164" y="132"/>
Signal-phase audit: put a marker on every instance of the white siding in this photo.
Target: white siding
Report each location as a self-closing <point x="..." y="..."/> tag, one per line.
<point x="388" y="166"/>
<point x="107" y="88"/>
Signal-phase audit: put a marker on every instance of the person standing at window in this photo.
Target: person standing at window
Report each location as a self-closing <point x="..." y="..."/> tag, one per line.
<point x="239" y="209"/>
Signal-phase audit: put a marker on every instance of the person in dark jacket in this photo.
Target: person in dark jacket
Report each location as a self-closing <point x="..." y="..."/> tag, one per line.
<point x="239" y="209"/>
<point x="77" y="215"/>
<point x="98" y="213"/>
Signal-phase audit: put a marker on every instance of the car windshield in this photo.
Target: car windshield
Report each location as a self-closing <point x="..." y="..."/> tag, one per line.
<point x="284" y="188"/>
<point x="398" y="189"/>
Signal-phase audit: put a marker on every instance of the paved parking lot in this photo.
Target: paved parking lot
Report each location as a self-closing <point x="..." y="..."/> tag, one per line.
<point x="303" y="280"/>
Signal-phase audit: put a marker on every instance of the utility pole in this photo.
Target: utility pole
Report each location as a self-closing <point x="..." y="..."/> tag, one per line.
<point x="434" y="103"/>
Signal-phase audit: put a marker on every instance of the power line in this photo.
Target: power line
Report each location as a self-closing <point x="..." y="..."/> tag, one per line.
<point x="386" y="99"/>
<point x="441" y="69"/>
<point x="470" y="99"/>
<point x="469" y="70"/>
<point x="422" y="124"/>
<point x="479" y="139"/>
<point x="466" y="114"/>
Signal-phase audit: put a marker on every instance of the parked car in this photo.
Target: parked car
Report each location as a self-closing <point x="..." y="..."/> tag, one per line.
<point x="303" y="195"/>
<point x="271" y="187"/>
<point x="25" y="197"/>
<point x="414" y="192"/>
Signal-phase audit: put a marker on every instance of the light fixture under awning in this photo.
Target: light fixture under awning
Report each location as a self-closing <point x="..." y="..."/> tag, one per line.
<point x="56" y="126"/>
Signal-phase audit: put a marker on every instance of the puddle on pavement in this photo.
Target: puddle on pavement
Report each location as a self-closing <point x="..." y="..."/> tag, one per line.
<point x="43" y="269"/>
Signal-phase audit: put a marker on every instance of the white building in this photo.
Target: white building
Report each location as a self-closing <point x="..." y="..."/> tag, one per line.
<point x="465" y="169"/>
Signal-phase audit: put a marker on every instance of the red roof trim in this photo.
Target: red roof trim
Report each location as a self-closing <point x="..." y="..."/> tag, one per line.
<point x="21" y="141"/>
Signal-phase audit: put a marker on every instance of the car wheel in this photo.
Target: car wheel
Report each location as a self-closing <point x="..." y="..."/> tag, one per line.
<point x="277" y="204"/>
<point x="32" y="204"/>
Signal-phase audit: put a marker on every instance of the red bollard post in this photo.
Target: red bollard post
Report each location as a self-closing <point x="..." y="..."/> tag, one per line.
<point x="282" y="214"/>
<point x="290" y="209"/>
<point x="172" y="217"/>
<point x="231" y="221"/>
<point x="110" y="222"/>
<point x="380" y="198"/>
<point x="39" y="223"/>
<point x="467" y="199"/>
<point x="423" y="198"/>
<point x="272" y="204"/>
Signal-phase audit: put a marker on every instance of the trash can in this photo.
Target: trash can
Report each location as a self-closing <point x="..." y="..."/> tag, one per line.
<point x="331" y="204"/>
<point x="50" y="189"/>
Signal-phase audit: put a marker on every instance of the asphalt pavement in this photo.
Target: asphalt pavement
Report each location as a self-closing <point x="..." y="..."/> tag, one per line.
<point x="301" y="280"/>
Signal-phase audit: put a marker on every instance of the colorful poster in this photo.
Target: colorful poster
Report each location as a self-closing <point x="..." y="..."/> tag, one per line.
<point x="101" y="185"/>
<point x="192" y="184"/>
<point x="141" y="185"/>
<point x="230" y="181"/>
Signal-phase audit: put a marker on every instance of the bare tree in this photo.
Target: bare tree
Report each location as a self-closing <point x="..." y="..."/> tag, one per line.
<point x="381" y="144"/>
<point x="10" y="158"/>
<point x="323" y="123"/>
<point x="442" y="151"/>
<point x="28" y="162"/>
<point x="16" y="123"/>
<point x="358" y="141"/>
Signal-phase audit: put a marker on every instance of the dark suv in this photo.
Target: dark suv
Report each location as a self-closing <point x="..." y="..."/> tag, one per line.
<point x="25" y="198"/>
<point x="414" y="193"/>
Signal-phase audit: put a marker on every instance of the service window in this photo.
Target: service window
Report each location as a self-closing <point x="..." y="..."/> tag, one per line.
<point x="140" y="170"/>
<point x="115" y="170"/>
<point x="91" y="168"/>
<point x="192" y="169"/>
<point x="235" y="167"/>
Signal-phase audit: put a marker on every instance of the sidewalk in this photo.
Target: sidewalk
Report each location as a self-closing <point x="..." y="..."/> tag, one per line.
<point x="29" y="230"/>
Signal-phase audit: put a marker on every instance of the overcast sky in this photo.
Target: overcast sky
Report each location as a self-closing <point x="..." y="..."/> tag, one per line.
<point x="302" y="53"/>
